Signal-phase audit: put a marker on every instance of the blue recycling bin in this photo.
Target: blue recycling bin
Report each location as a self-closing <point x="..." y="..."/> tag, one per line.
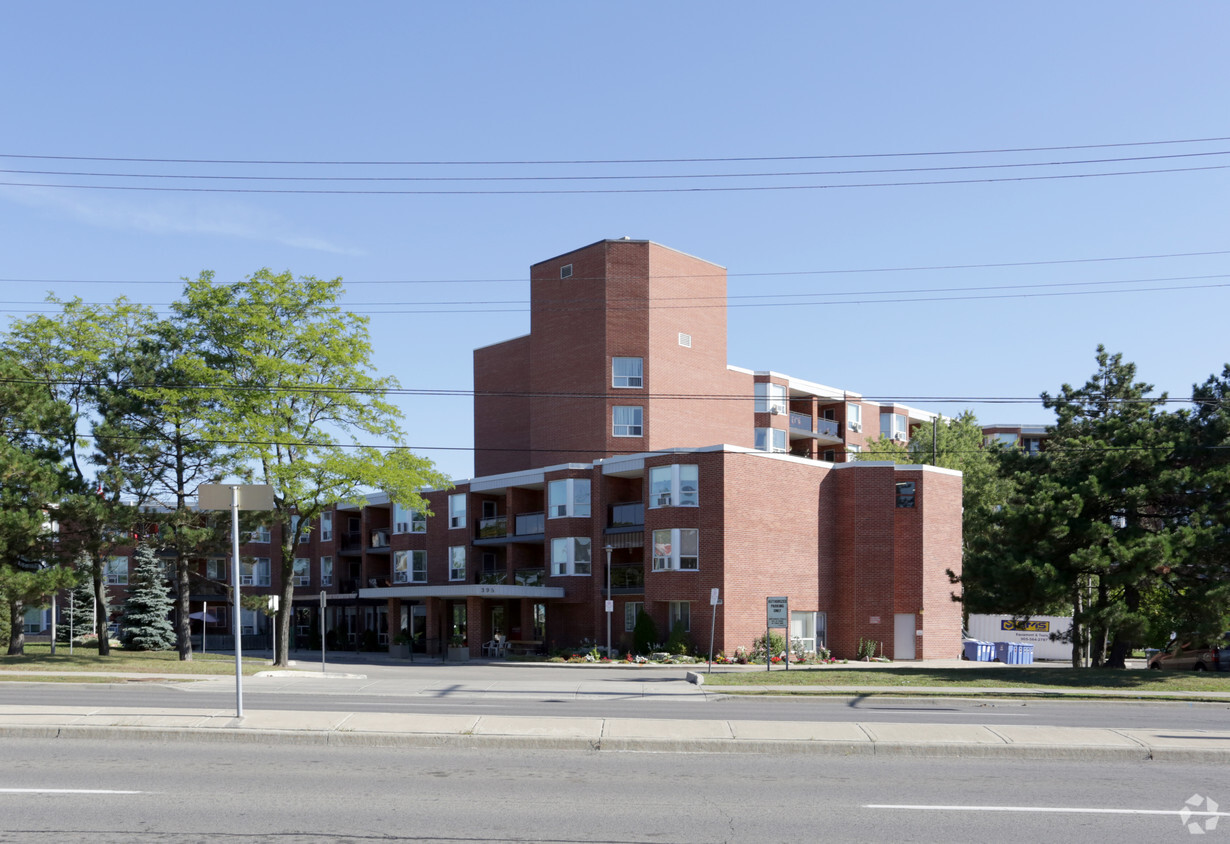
<point x="1027" y="654"/>
<point x="1009" y="653"/>
<point x="979" y="651"/>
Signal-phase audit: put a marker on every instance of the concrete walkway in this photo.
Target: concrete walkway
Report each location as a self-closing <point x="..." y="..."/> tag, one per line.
<point x="535" y="681"/>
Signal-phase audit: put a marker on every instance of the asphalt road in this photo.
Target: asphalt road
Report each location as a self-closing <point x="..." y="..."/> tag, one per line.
<point x="698" y="706"/>
<point x="128" y="791"/>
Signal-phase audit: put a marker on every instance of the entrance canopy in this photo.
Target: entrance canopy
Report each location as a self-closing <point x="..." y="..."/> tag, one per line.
<point x="464" y="590"/>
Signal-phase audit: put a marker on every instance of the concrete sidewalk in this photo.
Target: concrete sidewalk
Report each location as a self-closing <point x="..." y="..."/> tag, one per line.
<point x="596" y="734"/>
<point x="540" y="682"/>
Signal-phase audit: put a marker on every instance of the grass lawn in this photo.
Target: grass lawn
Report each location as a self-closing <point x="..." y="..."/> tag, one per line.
<point x="38" y="658"/>
<point x="906" y="678"/>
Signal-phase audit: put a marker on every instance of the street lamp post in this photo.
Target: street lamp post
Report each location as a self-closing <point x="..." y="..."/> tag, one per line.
<point x="610" y="602"/>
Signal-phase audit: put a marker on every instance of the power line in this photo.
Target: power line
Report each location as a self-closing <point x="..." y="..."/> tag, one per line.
<point x="766" y="274"/>
<point x="594" y="191"/>
<point x="610" y="177"/>
<point x="615" y="160"/>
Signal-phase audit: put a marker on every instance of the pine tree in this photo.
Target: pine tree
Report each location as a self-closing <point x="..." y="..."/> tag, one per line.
<point x="77" y="612"/>
<point x="145" y="624"/>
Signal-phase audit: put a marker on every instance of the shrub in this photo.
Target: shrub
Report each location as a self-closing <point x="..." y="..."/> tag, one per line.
<point x="645" y="634"/>
<point x="678" y="643"/>
<point x="777" y="645"/>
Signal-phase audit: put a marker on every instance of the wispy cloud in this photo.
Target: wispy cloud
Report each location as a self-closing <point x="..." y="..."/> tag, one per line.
<point x="163" y="215"/>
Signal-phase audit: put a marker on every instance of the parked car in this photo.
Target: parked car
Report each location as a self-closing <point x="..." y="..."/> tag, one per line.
<point x="1184" y="656"/>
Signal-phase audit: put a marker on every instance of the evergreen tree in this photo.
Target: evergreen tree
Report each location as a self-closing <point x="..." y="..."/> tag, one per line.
<point x="77" y="611"/>
<point x="145" y="624"/>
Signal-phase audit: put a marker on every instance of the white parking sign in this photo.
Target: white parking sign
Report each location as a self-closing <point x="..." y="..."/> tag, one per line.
<point x="779" y="613"/>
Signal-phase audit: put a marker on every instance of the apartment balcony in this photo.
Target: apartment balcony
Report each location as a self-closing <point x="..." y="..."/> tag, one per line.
<point x="493" y="578"/>
<point x="530" y="524"/>
<point x="379" y="541"/>
<point x="627" y="580"/>
<point x="350" y="543"/>
<point x="530" y="577"/>
<point x="493" y="528"/>
<point x="630" y="516"/>
<point x="527" y="528"/>
<point x="827" y="431"/>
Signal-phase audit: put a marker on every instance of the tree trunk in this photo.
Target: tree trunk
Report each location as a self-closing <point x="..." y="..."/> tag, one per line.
<point x="101" y="615"/>
<point x="17" y="628"/>
<point x="183" y="624"/>
<point x="283" y="621"/>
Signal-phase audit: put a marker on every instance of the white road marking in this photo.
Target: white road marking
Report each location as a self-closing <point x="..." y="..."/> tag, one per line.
<point x="68" y="791"/>
<point x="1045" y="809"/>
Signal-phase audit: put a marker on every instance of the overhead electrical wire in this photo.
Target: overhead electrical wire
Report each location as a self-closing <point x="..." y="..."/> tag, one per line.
<point x="693" y="160"/>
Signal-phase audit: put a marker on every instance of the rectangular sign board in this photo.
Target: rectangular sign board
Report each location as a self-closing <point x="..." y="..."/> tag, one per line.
<point x="779" y="613"/>
<point x="251" y="496"/>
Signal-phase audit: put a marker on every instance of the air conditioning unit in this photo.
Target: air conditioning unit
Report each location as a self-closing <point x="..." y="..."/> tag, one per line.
<point x="776" y="411"/>
<point x="857" y="427"/>
<point x="897" y="435"/>
<point x="401" y="527"/>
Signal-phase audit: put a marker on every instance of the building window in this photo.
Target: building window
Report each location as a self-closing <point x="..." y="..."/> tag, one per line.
<point x="830" y="455"/>
<point x="892" y="426"/>
<point x="771" y="439"/>
<point x="294" y="527"/>
<point x="457" y="511"/>
<point x="631" y="610"/>
<point x="627" y="372"/>
<point x="116" y="571"/>
<point x="411" y="567"/>
<point x="1031" y="445"/>
<point x="32" y="621"/>
<point x="627" y="422"/>
<point x="677" y="549"/>
<point x="326" y="571"/>
<point x="303" y="571"/>
<point x="216" y="568"/>
<point x="248" y="622"/>
<point x="853" y="449"/>
<point x="685" y="340"/>
<point x="905" y="493"/>
<point x="568" y="498"/>
<point x="676" y="485"/>
<point x="326" y="527"/>
<point x="680" y="613"/>
<point x="854" y="417"/>
<point x="570" y="555"/>
<point x="457" y="562"/>
<point x="254" y="572"/>
<point x="410" y="520"/>
<point x="770" y="398"/>
<point x="261" y="534"/>
<point x="565" y="271"/>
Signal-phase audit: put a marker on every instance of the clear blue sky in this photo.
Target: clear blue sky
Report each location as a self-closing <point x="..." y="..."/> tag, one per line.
<point x="566" y="81"/>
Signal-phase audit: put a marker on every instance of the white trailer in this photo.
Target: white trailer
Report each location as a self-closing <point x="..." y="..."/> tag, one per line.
<point x="1037" y="632"/>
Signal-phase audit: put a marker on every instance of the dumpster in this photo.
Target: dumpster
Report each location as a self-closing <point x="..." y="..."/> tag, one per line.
<point x="1027" y="653"/>
<point x="979" y="651"/>
<point x="1007" y="652"/>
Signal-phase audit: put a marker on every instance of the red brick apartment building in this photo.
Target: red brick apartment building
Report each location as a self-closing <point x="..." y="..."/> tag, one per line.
<point x="614" y="443"/>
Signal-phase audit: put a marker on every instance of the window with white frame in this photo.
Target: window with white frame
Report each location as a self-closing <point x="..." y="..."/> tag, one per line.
<point x="326" y="571"/>
<point x="411" y="567"/>
<point x="892" y="426"/>
<point x="1006" y="440"/>
<point x="457" y="562"/>
<point x="408" y="520"/>
<point x="676" y="485"/>
<point x="249" y="622"/>
<point x="770" y="439"/>
<point x="32" y="621"/>
<point x="568" y="498"/>
<point x="631" y="610"/>
<point x="854" y="449"/>
<point x="307" y="530"/>
<point x="303" y="572"/>
<point x="261" y="534"/>
<point x="457" y="510"/>
<point x="627" y="373"/>
<point x="770" y="398"/>
<point x="854" y="417"/>
<point x="627" y="421"/>
<point x="680" y="613"/>
<point x="254" y="572"/>
<point x="116" y="571"/>
<point x="218" y="568"/>
<point x="570" y="555"/>
<point x="677" y="549"/>
<point x="326" y="527"/>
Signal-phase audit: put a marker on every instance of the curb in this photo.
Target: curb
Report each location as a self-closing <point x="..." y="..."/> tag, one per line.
<point x="887" y="749"/>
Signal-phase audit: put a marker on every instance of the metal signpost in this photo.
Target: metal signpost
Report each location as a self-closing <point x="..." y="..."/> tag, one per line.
<point x="324" y="602"/>
<point x="714" y="601"/>
<point x="235" y="497"/>
<point x="777" y="616"/>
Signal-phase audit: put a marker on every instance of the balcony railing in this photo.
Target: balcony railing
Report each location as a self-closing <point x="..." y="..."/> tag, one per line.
<point x="379" y="540"/>
<point x="531" y="523"/>
<point x="800" y="421"/>
<point x="490" y="578"/>
<point x="493" y="528"/>
<point x="628" y="515"/>
<point x="351" y="543"/>
<point x="828" y="428"/>
<point x="529" y="577"/>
